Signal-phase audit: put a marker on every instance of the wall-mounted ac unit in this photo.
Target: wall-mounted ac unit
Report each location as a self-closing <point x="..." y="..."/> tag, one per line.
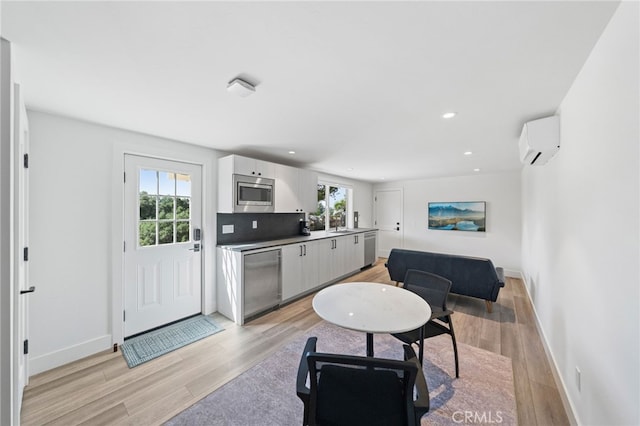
<point x="540" y="140"/>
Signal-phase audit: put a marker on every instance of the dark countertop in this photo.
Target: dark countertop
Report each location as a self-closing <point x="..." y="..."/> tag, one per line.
<point x="315" y="235"/>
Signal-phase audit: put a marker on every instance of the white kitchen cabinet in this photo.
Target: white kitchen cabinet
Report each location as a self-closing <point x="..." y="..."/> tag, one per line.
<point x="299" y="269"/>
<point x="332" y="260"/>
<point x="308" y="190"/>
<point x="291" y="270"/>
<point x="354" y="252"/>
<point x="296" y="190"/>
<point x="252" y="167"/>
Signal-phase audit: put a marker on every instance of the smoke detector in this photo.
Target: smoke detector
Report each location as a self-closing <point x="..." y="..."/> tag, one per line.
<point x="240" y="87"/>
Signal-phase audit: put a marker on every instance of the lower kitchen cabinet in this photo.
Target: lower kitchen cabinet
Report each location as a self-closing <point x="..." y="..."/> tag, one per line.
<point x="303" y="267"/>
<point x="354" y="256"/>
<point x="299" y="269"/>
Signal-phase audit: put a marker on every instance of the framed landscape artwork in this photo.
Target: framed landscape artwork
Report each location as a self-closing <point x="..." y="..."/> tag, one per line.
<point x="458" y="216"/>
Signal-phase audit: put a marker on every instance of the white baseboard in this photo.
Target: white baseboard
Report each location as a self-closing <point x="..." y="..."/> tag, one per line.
<point x="512" y="273"/>
<point x="55" y="359"/>
<point x="562" y="389"/>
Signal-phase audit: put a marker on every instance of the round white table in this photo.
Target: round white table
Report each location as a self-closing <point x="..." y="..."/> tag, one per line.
<point x="372" y="308"/>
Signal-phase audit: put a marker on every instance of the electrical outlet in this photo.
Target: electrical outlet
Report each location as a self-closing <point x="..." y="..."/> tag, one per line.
<point x="578" y="378"/>
<point x="227" y="229"/>
<point x="255" y="224"/>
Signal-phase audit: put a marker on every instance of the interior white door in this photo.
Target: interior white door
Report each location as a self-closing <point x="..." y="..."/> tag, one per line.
<point x="22" y="287"/>
<point x="163" y="257"/>
<point x="388" y="212"/>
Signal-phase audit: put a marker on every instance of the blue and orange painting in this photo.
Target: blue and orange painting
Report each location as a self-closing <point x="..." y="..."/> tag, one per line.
<point x="458" y="216"/>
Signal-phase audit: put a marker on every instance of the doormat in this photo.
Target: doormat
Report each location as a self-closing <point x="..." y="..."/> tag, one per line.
<point x="148" y="346"/>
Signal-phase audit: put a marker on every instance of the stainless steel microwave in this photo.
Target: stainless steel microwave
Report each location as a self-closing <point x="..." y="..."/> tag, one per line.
<point x="253" y="194"/>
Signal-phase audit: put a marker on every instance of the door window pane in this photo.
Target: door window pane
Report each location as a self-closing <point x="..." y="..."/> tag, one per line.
<point x="166" y="183"/>
<point x="147" y="206"/>
<point x="182" y="231"/>
<point x="183" y="184"/>
<point x="165" y="233"/>
<point x="182" y="208"/>
<point x="149" y="181"/>
<point x="147" y="234"/>
<point x="164" y="208"/>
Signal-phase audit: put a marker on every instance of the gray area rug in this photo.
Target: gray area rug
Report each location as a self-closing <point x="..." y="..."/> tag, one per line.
<point x="148" y="346"/>
<point x="266" y="393"/>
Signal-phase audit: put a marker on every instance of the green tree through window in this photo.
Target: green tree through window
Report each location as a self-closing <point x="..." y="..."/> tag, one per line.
<point x="166" y="218"/>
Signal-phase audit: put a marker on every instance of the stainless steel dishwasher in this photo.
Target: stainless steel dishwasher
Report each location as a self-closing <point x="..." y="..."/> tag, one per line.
<point x="262" y="282"/>
<point x="370" y="247"/>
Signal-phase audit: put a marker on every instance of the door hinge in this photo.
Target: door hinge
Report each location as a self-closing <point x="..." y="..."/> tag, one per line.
<point x="124" y="246"/>
<point x="26" y="161"/>
<point x="375" y="199"/>
<point x="124" y="177"/>
<point x="25" y="254"/>
<point x="124" y="316"/>
<point x="25" y="347"/>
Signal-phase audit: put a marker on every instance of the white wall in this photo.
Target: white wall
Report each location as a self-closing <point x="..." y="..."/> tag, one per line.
<point x="581" y="230"/>
<point x="362" y="197"/>
<point x="76" y="238"/>
<point x="501" y="241"/>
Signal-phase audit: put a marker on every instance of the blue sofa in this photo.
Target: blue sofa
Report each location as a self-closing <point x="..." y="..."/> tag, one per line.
<point x="469" y="276"/>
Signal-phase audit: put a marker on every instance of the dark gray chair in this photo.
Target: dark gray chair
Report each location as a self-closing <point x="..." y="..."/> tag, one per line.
<point x="354" y="390"/>
<point x="434" y="289"/>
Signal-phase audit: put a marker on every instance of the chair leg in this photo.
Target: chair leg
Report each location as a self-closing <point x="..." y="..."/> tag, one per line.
<point x="455" y="347"/>
<point x="489" y="306"/>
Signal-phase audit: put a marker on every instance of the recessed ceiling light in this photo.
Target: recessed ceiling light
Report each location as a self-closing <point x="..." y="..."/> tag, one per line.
<point x="468" y="153"/>
<point x="476" y="170"/>
<point x="448" y="115"/>
<point x="292" y="152"/>
<point x="350" y="169"/>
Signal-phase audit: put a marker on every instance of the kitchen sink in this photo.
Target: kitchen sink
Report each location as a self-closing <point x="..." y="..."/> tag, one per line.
<point x="342" y="231"/>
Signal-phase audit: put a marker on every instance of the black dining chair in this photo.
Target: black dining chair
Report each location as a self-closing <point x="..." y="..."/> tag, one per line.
<point x="355" y="390"/>
<point x="434" y="289"/>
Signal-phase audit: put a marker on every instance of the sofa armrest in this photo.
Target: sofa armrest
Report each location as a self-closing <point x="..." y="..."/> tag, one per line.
<point x="500" y="273"/>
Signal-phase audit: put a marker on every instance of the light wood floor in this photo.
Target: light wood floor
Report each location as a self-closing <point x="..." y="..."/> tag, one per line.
<point x="101" y="389"/>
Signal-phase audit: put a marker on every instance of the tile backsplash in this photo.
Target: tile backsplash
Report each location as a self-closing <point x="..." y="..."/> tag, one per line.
<point x="269" y="226"/>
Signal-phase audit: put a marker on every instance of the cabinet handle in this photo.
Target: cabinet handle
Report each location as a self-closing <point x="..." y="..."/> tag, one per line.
<point x="305" y="249"/>
<point x="300" y="250"/>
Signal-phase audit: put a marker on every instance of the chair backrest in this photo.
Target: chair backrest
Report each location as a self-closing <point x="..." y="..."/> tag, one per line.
<point x="351" y="390"/>
<point x="431" y="287"/>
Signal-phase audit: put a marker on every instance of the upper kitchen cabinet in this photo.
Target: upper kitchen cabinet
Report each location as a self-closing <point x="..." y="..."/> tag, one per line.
<point x="296" y="190"/>
<point x="252" y="167"/>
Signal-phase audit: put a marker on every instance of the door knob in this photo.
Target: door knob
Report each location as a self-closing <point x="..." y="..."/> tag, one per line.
<point x="397" y="228"/>
<point x="196" y="247"/>
<point x="31" y="290"/>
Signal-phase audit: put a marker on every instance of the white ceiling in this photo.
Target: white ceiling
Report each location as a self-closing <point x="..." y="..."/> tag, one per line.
<point x="358" y="85"/>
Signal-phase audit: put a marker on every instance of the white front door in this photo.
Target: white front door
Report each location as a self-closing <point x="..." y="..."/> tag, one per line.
<point x="163" y="257"/>
<point x="388" y="220"/>
<point x="22" y="287"/>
